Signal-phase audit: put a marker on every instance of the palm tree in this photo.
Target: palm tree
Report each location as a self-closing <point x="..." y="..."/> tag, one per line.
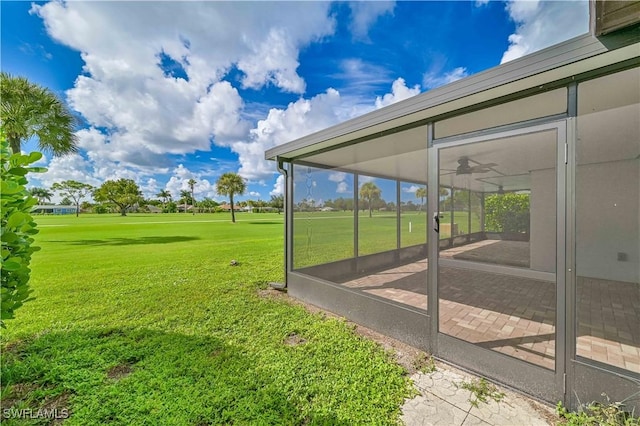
<point x="191" y="184"/>
<point x="422" y="194"/>
<point x="41" y="194"/>
<point x="185" y="198"/>
<point x="30" y="110"/>
<point x="369" y="191"/>
<point x="165" y="195"/>
<point x="231" y="184"/>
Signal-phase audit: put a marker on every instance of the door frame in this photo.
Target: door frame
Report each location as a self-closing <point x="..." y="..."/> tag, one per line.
<point x="548" y="385"/>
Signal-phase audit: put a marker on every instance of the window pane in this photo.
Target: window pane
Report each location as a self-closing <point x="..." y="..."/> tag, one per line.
<point x="377" y="218"/>
<point x="608" y="220"/>
<point x="497" y="283"/>
<point x="413" y="214"/>
<point x="389" y="260"/>
<point x="322" y="216"/>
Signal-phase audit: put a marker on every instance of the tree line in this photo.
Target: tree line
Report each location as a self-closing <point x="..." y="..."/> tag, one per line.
<point x="124" y="195"/>
<point x="370" y="198"/>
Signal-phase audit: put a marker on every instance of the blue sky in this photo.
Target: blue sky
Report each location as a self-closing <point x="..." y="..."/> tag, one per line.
<point x="169" y="91"/>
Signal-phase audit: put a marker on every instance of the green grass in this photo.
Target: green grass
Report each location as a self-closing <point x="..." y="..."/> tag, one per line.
<point x="142" y="320"/>
<point x="461" y="218"/>
<point x="322" y="237"/>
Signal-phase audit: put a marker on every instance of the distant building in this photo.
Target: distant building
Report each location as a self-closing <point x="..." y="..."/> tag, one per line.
<point x="54" y="209"/>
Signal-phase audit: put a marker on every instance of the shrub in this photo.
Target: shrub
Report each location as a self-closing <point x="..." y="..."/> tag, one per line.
<point x="597" y="414"/>
<point x="18" y="228"/>
<point x="507" y="212"/>
<point x="171" y="207"/>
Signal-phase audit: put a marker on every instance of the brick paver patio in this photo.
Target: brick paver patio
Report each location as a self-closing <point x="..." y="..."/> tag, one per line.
<point x="516" y="315"/>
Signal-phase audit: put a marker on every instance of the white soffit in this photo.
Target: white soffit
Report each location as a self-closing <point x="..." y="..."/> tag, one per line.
<point x="470" y="91"/>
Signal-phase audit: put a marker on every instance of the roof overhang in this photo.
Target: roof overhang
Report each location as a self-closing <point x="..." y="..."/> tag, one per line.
<point x="537" y="72"/>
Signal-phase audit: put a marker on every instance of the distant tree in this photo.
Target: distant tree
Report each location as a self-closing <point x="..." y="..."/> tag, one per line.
<point x="185" y="199"/>
<point x="66" y="202"/>
<point x="124" y="193"/>
<point x="165" y="196"/>
<point x="100" y="209"/>
<point x="171" y="207"/>
<point x="73" y="190"/>
<point x="460" y="200"/>
<point x="42" y="194"/>
<point x="422" y="194"/>
<point x="343" y="204"/>
<point x="231" y="184"/>
<point x="29" y="110"/>
<point x="192" y="184"/>
<point x="209" y="204"/>
<point x="277" y="202"/>
<point x="86" y="206"/>
<point x="370" y="192"/>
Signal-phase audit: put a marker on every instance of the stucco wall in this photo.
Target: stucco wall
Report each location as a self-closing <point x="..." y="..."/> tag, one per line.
<point x="608" y="211"/>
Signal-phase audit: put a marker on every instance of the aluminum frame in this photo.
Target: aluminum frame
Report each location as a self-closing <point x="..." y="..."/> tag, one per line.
<point x="574" y="378"/>
<point x="485" y="361"/>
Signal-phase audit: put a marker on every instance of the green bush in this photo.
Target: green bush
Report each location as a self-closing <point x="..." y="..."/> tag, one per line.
<point x="597" y="414"/>
<point x="100" y="209"/>
<point x="507" y="212"/>
<point x="18" y="228"/>
<point x="171" y="207"/>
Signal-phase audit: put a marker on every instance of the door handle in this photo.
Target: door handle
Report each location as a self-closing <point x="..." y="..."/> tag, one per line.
<point x="436" y="223"/>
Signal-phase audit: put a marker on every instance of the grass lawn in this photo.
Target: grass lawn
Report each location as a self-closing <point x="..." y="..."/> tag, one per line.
<point x="142" y="320"/>
<point x="322" y="237"/>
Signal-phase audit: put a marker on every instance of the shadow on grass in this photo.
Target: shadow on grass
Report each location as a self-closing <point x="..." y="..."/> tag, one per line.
<point x="266" y="223"/>
<point x="170" y="377"/>
<point x="129" y="241"/>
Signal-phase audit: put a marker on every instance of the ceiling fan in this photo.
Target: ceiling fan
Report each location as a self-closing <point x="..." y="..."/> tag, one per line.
<point x="464" y="168"/>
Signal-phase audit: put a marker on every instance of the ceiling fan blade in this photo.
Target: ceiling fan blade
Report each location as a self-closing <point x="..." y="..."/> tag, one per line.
<point x="479" y="169"/>
<point x="477" y="163"/>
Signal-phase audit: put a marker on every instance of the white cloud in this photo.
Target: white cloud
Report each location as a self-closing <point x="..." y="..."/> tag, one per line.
<point x="254" y="194"/>
<point x="342" y="188"/>
<point x="275" y="63"/>
<point x="278" y="187"/>
<point x="179" y="182"/>
<point x="399" y="92"/>
<point x="365" y="13"/>
<point x="337" y="176"/>
<point x="150" y="188"/>
<point x="362" y="179"/>
<point x="300" y="118"/>
<point x="69" y="167"/>
<point x="410" y="189"/>
<point x="139" y="112"/>
<point x="542" y="24"/>
<point x="480" y="3"/>
<point x="433" y="79"/>
<point x="340" y="179"/>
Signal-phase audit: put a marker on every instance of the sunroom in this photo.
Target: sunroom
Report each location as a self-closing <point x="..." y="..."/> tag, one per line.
<point x="493" y="222"/>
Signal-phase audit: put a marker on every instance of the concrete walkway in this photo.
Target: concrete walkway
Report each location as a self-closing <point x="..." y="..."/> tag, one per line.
<point x="443" y="402"/>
